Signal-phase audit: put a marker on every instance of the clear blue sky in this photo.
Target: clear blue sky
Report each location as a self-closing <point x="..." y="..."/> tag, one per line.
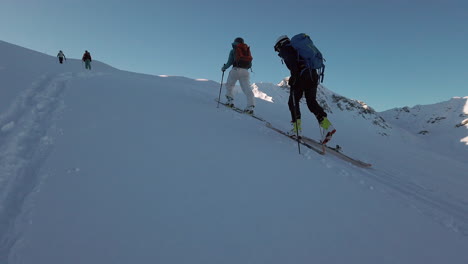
<point x="386" y="53"/>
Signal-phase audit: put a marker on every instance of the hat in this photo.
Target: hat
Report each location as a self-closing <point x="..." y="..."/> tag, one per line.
<point x="239" y="40"/>
<point x="279" y="41"/>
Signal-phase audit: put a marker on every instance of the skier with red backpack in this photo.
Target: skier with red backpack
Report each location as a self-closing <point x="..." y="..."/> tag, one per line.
<point x="241" y="60"/>
<point x="305" y="63"/>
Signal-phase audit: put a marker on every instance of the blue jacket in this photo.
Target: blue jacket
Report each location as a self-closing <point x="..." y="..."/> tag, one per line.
<point x="230" y="60"/>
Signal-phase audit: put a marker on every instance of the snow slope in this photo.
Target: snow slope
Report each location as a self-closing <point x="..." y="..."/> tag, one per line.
<point x="116" y="167"/>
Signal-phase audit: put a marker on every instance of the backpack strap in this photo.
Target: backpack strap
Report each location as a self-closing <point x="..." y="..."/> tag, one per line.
<point x="322" y="73"/>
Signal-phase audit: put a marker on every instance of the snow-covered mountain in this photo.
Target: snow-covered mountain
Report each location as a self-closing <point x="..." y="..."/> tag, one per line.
<point x="107" y="166"/>
<point x="333" y="103"/>
<point x="443" y="126"/>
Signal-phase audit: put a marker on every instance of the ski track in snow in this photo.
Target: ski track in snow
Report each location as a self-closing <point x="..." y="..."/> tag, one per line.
<point x="441" y="207"/>
<point x="24" y="144"/>
<point x="449" y="211"/>
<point x="446" y="210"/>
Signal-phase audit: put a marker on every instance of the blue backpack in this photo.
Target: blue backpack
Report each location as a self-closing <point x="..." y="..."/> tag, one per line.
<point x="309" y="53"/>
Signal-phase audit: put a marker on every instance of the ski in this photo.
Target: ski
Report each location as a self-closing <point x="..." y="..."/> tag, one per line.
<point x="240" y="111"/>
<point x="307" y="142"/>
<point x="336" y="152"/>
<point x="293" y="137"/>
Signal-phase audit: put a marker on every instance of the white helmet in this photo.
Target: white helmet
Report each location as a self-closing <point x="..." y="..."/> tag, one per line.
<point x="279" y="41"/>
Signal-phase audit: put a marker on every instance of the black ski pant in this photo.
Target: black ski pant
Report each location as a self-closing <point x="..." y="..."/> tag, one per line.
<point x="306" y="84"/>
<point x="60" y="60"/>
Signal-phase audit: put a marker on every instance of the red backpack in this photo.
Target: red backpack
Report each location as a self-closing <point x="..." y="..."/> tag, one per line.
<point x="243" y="58"/>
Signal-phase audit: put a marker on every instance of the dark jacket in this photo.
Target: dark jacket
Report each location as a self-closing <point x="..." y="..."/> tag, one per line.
<point x="292" y="60"/>
<point x="87" y="56"/>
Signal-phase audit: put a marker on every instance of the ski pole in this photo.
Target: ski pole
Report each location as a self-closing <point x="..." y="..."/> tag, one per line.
<point x="220" y="87"/>
<point x="295" y="118"/>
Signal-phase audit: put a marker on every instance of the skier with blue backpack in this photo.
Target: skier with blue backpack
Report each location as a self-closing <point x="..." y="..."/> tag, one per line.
<point x="305" y="63"/>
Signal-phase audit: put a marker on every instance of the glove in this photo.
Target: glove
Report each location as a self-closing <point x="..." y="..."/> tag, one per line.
<point x="292" y="80"/>
<point x="222" y="68"/>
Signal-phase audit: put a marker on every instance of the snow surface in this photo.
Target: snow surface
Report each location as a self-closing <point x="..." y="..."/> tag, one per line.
<point x="107" y="166"/>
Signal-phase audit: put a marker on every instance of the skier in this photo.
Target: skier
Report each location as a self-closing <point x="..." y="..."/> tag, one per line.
<point x="87" y="60"/>
<point x="303" y="81"/>
<point x="241" y="60"/>
<point x="61" y="57"/>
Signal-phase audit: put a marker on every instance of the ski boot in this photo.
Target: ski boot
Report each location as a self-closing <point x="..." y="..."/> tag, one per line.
<point x="327" y="130"/>
<point x="296" y="128"/>
<point x="229" y="101"/>
<point x="249" y="110"/>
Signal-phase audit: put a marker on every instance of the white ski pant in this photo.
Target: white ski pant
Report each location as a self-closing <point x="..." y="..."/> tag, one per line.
<point x="243" y="76"/>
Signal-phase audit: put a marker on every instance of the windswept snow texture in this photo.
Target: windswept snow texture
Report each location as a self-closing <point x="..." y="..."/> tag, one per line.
<point x="107" y="166"/>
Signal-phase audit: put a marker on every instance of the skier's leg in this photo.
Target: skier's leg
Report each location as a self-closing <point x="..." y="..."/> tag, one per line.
<point x="231" y="82"/>
<point x="293" y="103"/>
<point x="244" y="80"/>
<point x="310" y="91"/>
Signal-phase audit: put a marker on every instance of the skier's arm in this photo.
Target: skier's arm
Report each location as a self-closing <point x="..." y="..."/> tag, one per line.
<point x="290" y="56"/>
<point x="230" y="60"/>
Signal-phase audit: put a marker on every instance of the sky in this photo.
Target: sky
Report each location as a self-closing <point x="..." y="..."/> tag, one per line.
<point x="385" y="53"/>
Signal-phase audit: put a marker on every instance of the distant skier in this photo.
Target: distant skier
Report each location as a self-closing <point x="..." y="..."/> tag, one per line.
<point x="303" y="81"/>
<point x="87" y="60"/>
<point x="241" y="60"/>
<point x="61" y="57"/>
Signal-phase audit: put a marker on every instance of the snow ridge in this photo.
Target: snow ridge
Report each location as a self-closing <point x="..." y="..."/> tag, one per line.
<point x="435" y="118"/>
<point x="443" y="126"/>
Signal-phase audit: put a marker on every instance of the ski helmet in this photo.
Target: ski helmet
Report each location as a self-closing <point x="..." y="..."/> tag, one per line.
<point x="279" y="42"/>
